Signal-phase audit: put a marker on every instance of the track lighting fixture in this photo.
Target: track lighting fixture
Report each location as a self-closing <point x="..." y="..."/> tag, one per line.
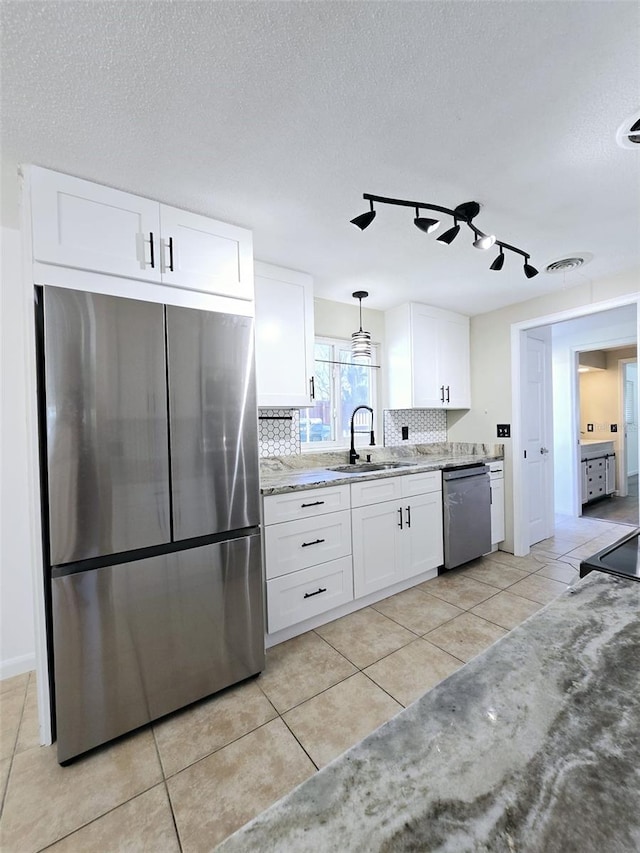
<point x="361" y="340"/>
<point x="450" y="235"/>
<point x="484" y="241"/>
<point x="365" y="219"/>
<point x="498" y="262"/>
<point x="424" y="224"/>
<point x="465" y="213"/>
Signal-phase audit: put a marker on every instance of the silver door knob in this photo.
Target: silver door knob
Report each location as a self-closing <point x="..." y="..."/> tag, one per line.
<point x="544" y="450"/>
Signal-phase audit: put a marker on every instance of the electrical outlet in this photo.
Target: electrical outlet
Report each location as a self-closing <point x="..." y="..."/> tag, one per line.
<point x="589" y="427"/>
<point x="504" y="430"/>
<point x="405" y="433"/>
<point x="614" y="427"/>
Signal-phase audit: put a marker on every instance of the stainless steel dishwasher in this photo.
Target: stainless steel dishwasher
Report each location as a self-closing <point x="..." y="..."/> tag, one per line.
<point x="466" y="499"/>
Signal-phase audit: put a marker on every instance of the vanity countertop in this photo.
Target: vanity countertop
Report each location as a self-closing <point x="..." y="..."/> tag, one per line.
<point x="532" y="746"/>
<point x="311" y="471"/>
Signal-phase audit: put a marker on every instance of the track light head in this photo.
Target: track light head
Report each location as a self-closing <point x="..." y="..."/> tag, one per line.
<point x="449" y="235"/>
<point x="365" y="219"/>
<point x="425" y="224"/>
<point x="529" y="271"/>
<point x="467" y="211"/>
<point x="483" y="241"/>
<point x="498" y="262"/>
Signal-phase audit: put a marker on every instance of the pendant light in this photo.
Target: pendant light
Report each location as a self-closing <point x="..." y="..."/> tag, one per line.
<point x="360" y="340"/>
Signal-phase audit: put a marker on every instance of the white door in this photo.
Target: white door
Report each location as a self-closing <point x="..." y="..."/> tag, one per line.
<point x="284" y="336"/>
<point x="425" y="359"/>
<point x="454" y="369"/>
<point x="421" y="536"/>
<point x="199" y="253"/>
<point x="87" y="226"/>
<point x="376" y="559"/>
<point x="537" y="440"/>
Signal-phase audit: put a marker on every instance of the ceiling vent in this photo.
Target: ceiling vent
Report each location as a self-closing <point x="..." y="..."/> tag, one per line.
<point x="628" y="135"/>
<point x="569" y="264"/>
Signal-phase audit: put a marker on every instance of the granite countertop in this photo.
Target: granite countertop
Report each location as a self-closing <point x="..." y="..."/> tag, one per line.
<point x="310" y="471"/>
<point x="532" y="746"/>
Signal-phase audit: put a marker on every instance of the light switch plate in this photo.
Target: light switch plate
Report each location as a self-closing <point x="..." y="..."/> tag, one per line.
<point x="504" y="430"/>
<point x="589" y="427"/>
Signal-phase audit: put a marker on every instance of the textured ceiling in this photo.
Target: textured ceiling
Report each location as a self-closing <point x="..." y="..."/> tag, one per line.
<point x="278" y="116"/>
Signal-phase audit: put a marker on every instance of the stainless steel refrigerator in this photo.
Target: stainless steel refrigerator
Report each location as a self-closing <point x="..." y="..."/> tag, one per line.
<point x="150" y="507"/>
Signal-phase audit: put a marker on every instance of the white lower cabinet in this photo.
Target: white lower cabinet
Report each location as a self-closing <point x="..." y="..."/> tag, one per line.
<point x="384" y="532"/>
<point x="496" y="475"/>
<point x="299" y="544"/>
<point x="377" y="559"/>
<point x="304" y="594"/>
<point x="422" y="546"/>
<point x="397" y="539"/>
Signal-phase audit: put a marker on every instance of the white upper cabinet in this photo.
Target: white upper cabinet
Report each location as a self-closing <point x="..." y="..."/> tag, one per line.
<point x="199" y="253"/>
<point x="427" y="358"/>
<point x="284" y="336"/>
<point x="87" y="226"/>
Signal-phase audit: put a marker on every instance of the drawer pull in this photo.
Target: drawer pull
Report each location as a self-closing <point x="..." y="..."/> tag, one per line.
<point x="315" y="542"/>
<point x="313" y="503"/>
<point x="317" y="592"/>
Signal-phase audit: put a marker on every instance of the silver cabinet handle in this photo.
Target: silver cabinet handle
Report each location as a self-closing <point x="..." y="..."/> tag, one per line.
<point x="544" y="450"/>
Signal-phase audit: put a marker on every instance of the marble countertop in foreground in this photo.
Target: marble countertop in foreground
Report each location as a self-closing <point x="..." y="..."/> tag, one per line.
<point x="310" y="470"/>
<point x="532" y="746"/>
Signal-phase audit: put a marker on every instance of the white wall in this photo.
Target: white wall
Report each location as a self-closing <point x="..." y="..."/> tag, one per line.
<point x="17" y="644"/>
<point x="609" y="328"/>
<point x="491" y="392"/>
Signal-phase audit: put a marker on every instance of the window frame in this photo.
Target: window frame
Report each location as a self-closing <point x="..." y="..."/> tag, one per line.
<point x="341" y="443"/>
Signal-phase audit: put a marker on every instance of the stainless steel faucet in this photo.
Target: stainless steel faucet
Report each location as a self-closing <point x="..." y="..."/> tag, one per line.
<point x="353" y="456"/>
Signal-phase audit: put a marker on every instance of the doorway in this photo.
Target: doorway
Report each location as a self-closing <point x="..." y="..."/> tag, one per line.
<point x="608" y="326"/>
<point x="607" y="390"/>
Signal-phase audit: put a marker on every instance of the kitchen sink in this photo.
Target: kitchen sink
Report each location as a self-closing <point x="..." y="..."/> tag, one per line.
<point x="366" y="467"/>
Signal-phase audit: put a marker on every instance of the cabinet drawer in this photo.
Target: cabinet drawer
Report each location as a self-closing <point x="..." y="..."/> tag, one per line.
<point x="421" y="484"/>
<point x="299" y="544"/>
<point x="292" y="506"/>
<point x="301" y="595"/>
<point x="376" y="491"/>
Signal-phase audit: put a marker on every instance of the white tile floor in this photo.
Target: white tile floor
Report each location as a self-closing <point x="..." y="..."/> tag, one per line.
<point x="188" y="781"/>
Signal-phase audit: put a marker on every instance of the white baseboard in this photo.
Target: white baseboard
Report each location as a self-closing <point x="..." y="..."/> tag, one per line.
<point x="16" y="666"/>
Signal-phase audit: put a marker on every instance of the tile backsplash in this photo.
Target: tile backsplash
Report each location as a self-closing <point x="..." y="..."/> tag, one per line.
<point x="279" y="432"/>
<point x="279" y="429"/>
<point x="426" y="426"/>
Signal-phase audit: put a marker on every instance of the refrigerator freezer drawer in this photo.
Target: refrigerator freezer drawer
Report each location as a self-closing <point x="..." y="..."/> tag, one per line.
<point x="133" y="642"/>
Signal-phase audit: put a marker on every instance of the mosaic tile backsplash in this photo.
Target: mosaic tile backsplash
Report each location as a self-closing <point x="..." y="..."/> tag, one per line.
<point x="279" y="432"/>
<point x="425" y="426"/>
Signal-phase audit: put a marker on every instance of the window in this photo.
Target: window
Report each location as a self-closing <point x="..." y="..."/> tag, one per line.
<point x="340" y="386"/>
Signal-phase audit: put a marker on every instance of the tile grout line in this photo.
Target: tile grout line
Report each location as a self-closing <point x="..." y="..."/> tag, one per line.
<point x="13" y="749"/>
<point x="97" y="818"/>
<point x="166" y="787"/>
